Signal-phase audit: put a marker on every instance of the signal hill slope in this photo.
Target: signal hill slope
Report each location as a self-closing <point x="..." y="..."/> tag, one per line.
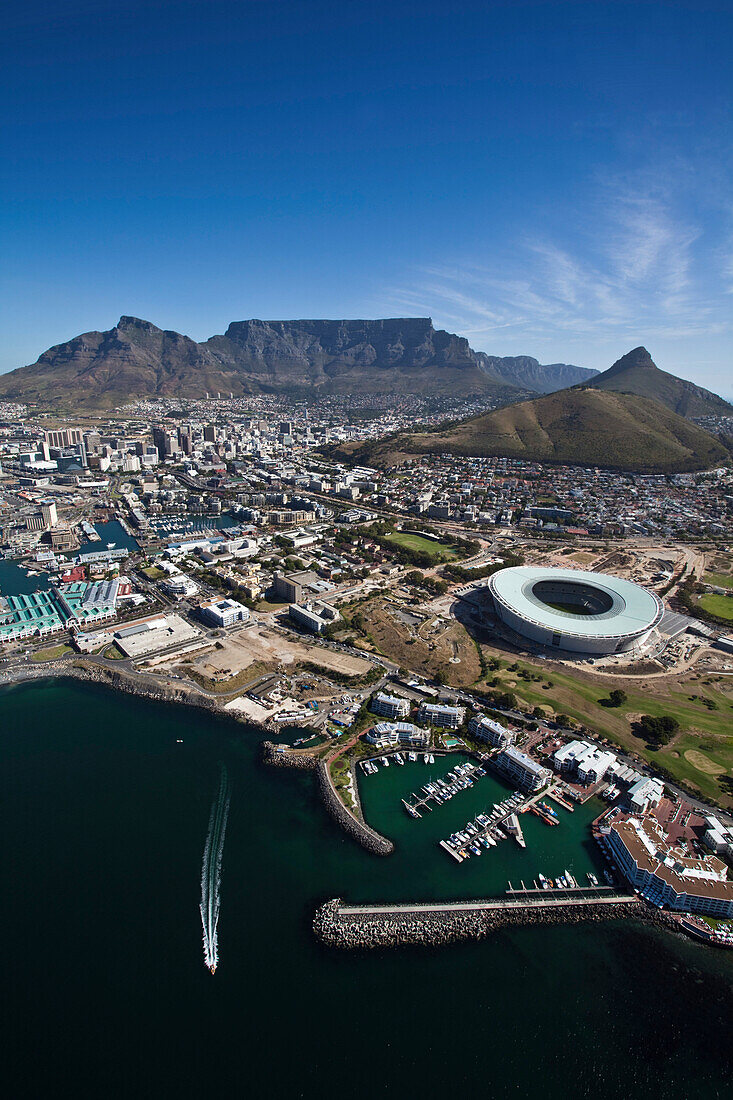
<point x="583" y="427"/>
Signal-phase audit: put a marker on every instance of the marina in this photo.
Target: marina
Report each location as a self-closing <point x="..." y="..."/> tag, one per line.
<point x="438" y="791"/>
<point x="150" y="798"/>
<point x="487" y="830"/>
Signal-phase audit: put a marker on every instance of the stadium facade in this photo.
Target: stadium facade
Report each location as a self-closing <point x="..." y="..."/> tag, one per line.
<point x="574" y="610"/>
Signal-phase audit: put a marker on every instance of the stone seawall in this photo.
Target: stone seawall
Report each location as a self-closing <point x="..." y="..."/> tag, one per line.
<point x="359" y="830"/>
<point x="286" y="759"/>
<point x="367" y="837"/>
<point x="436" y="927"/>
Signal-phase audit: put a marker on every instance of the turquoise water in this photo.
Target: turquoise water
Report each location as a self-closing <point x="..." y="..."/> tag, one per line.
<point x="113" y="531"/>
<point x="105" y="993"/>
<point x="550" y="848"/>
<point x="14" y="581"/>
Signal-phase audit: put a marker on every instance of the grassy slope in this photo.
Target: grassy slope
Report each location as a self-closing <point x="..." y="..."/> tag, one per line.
<point x="722" y="606"/>
<point x="720" y="580"/>
<point x="587" y="427"/>
<point x="578" y="697"/>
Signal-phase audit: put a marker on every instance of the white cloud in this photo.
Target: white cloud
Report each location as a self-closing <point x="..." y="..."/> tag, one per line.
<point x="636" y="271"/>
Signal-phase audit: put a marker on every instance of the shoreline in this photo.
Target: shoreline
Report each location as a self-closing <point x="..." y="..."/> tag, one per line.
<point x="137" y="684"/>
<point x="330" y="926"/>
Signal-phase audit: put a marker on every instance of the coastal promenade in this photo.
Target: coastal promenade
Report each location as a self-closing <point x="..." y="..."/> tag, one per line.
<point x="488" y="904"/>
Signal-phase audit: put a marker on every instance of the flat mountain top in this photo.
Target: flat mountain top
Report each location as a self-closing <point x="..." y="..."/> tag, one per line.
<point x="583" y="427"/>
<point x="637" y="373"/>
<point x="101" y="370"/>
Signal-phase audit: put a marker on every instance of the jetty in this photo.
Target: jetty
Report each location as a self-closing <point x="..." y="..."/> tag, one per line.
<point x="487" y="830"/>
<point x="360" y="926"/>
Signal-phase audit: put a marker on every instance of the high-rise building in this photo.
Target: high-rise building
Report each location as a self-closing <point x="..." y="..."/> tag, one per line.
<point x="48" y="511"/>
<point x="66" y="437"/>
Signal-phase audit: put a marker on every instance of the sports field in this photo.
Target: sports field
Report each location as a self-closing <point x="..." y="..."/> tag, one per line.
<point x="412" y="541"/>
<point x="722" y="606"/>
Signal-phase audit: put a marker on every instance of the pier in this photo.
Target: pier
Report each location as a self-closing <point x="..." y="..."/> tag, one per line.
<point x="606" y="897"/>
<point x="555" y="795"/>
<point x="564" y="892"/>
<point x="442" y="790"/>
<point x="379" y="926"/>
<point x="487" y="830"/>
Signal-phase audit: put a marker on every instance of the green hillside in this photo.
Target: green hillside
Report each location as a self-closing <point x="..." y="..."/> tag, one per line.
<point x="578" y="426"/>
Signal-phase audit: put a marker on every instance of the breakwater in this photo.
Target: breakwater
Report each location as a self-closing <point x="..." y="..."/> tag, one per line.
<point x="391" y="926"/>
<point x="361" y="832"/>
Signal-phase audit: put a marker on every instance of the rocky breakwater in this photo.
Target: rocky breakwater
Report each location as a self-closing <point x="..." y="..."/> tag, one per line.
<point x="283" y="757"/>
<point x="441" y="926"/>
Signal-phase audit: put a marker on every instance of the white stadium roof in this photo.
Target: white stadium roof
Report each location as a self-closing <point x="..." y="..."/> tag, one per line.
<point x="624" y="608"/>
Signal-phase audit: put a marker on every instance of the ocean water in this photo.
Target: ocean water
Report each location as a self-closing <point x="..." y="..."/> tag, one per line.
<point x="104" y="821"/>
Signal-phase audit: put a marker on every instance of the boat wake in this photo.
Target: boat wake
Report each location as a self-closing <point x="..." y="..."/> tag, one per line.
<point x="211" y="871"/>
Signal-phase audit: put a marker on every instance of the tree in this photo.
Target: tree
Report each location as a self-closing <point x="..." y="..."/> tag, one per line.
<point x="656" y="731"/>
<point x="616" y="698"/>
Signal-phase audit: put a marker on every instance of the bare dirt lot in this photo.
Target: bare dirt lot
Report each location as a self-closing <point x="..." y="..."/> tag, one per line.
<point x="652" y="566"/>
<point x="424" y="643"/>
<point x="261" y="648"/>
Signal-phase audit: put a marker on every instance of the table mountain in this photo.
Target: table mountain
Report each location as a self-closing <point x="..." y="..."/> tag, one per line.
<point x="101" y="370"/>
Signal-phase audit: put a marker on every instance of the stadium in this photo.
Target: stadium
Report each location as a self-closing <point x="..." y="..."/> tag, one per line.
<point x="575" y="610"/>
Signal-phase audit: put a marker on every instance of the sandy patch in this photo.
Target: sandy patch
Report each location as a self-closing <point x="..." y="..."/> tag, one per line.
<point x="703" y="763"/>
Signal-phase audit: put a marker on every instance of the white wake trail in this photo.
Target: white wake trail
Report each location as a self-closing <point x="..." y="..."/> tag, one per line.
<point x="211" y="871"/>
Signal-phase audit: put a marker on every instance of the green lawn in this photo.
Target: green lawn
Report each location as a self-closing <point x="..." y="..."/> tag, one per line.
<point x="153" y="573"/>
<point x="51" y="654"/>
<point x="720" y="580"/>
<point x="579" y="699"/>
<point x="412" y="541"/>
<point x="721" y="606"/>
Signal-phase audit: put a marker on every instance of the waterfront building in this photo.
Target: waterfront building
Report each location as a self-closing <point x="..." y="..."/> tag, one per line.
<point x="439" y="714"/>
<point x="644" y="794"/>
<point x="594" y="766"/>
<point x="385" y="735"/>
<point x="567" y="756"/>
<point x="38" y="614"/>
<point x="522" y="769"/>
<point x="486" y="729"/>
<point x="389" y="706"/>
<point x="665" y="875"/>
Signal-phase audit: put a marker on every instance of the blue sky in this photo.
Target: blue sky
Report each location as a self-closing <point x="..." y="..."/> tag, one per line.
<point x="544" y="178"/>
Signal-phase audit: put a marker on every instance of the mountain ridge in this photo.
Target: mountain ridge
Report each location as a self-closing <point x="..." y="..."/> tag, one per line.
<point x="136" y="358"/>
